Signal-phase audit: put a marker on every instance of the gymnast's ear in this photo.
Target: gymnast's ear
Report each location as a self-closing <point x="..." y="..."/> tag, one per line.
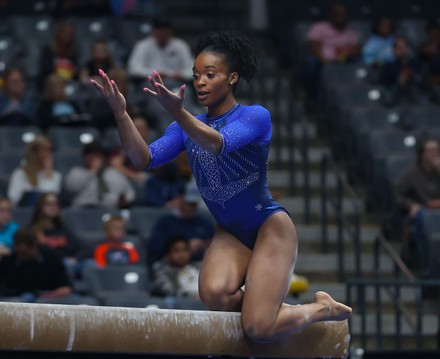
<point x="233" y="78"/>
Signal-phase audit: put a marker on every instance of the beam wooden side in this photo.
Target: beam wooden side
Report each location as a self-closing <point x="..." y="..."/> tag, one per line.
<point x="46" y="327"/>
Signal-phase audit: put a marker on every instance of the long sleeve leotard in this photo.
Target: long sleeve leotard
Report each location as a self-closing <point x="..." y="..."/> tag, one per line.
<point x="233" y="184"/>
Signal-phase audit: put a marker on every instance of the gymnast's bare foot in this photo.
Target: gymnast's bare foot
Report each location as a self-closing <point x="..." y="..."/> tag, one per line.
<point x="336" y="310"/>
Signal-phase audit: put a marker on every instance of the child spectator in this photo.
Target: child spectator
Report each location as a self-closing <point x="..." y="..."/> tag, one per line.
<point x="36" y="175"/>
<point x="7" y="227"/>
<point x="115" y="249"/>
<point x="174" y="275"/>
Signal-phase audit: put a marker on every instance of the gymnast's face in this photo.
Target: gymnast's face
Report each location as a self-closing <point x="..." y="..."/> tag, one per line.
<point x="213" y="80"/>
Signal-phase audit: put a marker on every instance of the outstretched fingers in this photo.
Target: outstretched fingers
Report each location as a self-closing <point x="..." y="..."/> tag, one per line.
<point x="107" y="85"/>
<point x="157" y="77"/>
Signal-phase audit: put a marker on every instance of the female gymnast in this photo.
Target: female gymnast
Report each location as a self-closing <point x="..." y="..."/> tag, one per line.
<point x="255" y="242"/>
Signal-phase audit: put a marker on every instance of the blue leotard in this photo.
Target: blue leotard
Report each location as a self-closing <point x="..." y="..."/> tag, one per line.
<point x="234" y="183"/>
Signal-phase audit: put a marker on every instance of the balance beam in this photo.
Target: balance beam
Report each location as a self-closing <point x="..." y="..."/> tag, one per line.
<point x="80" y="328"/>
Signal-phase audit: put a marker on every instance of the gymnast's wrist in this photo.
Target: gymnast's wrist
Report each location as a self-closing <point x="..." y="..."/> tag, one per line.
<point x="123" y="117"/>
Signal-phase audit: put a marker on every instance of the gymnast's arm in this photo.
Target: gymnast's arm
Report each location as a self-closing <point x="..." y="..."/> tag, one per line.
<point x="205" y="136"/>
<point x="132" y="142"/>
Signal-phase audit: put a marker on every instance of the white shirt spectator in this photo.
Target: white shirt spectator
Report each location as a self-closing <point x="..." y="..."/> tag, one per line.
<point x="85" y="187"/>
<point x="175" y="59"/>
<point x="19" y="184"/>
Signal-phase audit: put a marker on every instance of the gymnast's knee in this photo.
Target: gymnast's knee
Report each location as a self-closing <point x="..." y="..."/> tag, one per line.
<point x="216" y="298"/>
<point x="259" y="331"/>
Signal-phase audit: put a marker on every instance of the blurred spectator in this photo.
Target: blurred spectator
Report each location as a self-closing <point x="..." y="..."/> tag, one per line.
<point x="97" y="184"/>
<point x="430" y="60"/>
<point x="188" y="222"/>
<point x="161" y="51"/>
<point x="401" y="75"/>
<point x="115" y="250"/>
<point x="418" y="190"/>
<point x="171" y="57"/>
<point x="50" y="229"/>
<point x="55" y="109"/>
<point x="16" y="105"/>
<point x="8" y="227"/>
<point x="100" y="58"/>
<point x="378" y="48"/>
<point x="165" y="185"/>
<point x="119" y="159"/>
<point x="32" y="271"/>
<point x="61" y="55"/>
<point x="329" y="41"/>
<point x="36" y="175"/>
<point x="173" y="274"/>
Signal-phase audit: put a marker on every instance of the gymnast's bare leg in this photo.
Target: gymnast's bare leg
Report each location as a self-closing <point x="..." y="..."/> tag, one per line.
<point x="265" y="317"/>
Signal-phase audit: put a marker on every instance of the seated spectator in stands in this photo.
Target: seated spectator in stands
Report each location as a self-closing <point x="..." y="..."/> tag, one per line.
<point x="36" y="175"/>
<point x="97" y="184"/>
<point x="119" y="160"/>
<point x="115" y="250"/>
<point x="50" y="229"/>
<point x="418" y="190"/>
<point x="8" y="227"/>
<point x="32" y="271"/>
<point x="100" y="58"/>
<point x="161" y="51"/>
<point x="430" y="60"/>
<point x="174" y="274"/>
<point x="17" y="107"/>
<point x="187" y="221"/>
<point x="401" y="76"/>
<point x="165" y="185"/>
<point x="171" y="57"/>
<point x="55" y="109"/>
<point x="329" y="41"/>
<point x="61" y="55"/>
<point x="378" y="48"/>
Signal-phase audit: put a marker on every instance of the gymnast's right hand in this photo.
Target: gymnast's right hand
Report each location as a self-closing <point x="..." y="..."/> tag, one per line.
<point x="111" y="93"/>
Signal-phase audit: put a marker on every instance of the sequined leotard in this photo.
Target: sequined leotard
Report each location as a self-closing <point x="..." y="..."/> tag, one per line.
<point x="234" y="183"/>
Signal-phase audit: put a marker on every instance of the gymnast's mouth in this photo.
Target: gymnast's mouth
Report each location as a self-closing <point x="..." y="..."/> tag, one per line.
<point x="202" y="94"/>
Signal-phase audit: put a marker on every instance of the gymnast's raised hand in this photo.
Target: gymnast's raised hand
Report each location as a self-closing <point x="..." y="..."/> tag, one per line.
<point x="172" y="102"/>
<point x="111" y="93"/>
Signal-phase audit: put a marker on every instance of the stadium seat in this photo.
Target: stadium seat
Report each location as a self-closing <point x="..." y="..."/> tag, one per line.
<point x="143" y="219"/>
<point x="72" y="138"/>
<point x="114" y="281"/>
<point x="8" y="162"/>
<point x="15" y="138"/>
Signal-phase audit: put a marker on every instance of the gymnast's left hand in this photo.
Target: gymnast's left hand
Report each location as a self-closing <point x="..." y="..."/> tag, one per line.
<point x="170" y="101"/>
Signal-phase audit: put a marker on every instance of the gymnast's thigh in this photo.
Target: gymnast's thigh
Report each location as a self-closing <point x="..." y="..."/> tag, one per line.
<point x="270" y="268"/>
<point x="225" y="263"/>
